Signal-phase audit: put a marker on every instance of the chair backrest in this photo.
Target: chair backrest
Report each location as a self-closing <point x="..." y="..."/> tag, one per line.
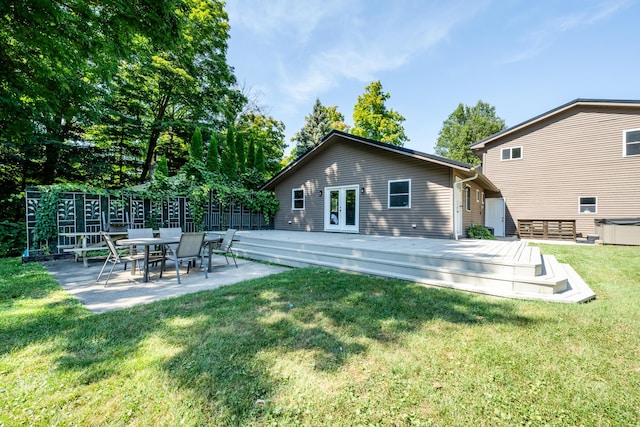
<point x="171" y="232"/>
<point x="190" y="245"/>
<point x="137" y="233"/>
<point x="228" y="239"/>
<point x="112" y="246"/>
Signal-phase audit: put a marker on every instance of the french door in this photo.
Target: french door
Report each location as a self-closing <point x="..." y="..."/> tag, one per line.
<point x="341" y="208"/>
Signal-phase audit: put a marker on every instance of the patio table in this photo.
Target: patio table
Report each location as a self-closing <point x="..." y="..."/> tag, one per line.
<point x="147" y="242"/>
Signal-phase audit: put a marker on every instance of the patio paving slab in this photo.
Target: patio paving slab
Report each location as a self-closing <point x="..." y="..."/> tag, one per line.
<point x="125" y="290"/>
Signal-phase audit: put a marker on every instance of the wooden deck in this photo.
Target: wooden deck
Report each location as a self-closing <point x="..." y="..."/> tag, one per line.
<point x="502" y="268"/>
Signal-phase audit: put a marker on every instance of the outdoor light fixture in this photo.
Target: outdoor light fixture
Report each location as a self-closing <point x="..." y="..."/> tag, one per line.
<point x="320" y="193"/>
<point x="361" y="190"/>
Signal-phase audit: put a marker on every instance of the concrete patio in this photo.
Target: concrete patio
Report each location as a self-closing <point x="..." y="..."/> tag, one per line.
<point x="126" y="290"/>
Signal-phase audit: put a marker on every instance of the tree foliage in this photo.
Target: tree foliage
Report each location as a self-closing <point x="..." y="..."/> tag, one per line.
<point x="317" y="125"/>
<point x="229" y="163"/>
<point x="372" y="119"/>
<point x="95" y="91"/>
<point x="465" y="126"/>
<point x="213" y="162"/>
<point x="267" y="133"/>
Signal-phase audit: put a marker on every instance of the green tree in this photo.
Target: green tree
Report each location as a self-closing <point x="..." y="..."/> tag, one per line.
<point x="213" y="163"/>
<point x="337" y="119"/>
<point x="190" y="83"/>
<point x="163" y="167"/>
<point x="240" y="152"/>
<point x="260" y="158"/>
<point x="229" y="164"/>
<point x="317" y="125"/>
<point x="465" y="126"/>
<point x="372" y="119"/>
<point x="269" y="132"/>
<point x="251" y="154"/>
<point x="196" y="150"/>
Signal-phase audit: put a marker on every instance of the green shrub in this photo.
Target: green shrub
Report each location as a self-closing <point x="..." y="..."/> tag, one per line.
<point x="13" y="236"/>
<point x="480" y="232"/>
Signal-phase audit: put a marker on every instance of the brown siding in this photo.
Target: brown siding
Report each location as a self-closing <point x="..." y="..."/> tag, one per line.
<point x="345" y="162"/>
<point x="575" y="153"/>
<point x="476" y="215"/>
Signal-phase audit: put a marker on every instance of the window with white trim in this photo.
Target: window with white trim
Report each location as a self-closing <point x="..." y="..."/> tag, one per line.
<point x="467" y="198"/>
<point x="297" y="199"/>
<point x="631" y="142"/>
<point x="477" y="196"/>
<point x="400" y="194"/>
<point x="588" y="205"/>
<point x="511" y="153"/>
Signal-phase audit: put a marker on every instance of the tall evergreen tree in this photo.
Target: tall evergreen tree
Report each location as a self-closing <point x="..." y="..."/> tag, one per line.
<point x="196" y="152"/>
<point x="317" y="125"/>
<point x="251" y="154"/>
<point x="260" y="159"/>
<point x="212" y="162"/>
<point x="229" y="164"/>
<point x="372" y="119"/>
<point x="240" y="152"/>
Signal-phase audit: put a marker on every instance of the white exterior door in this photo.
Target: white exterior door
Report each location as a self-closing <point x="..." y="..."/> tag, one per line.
<point x="341" y="208"/>
<point x="494" y="215"/>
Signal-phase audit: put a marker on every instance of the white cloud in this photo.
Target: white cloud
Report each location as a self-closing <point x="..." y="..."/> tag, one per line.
<point x="294" y="19"/>
<point x="362" y="47"/>
<point x="544" y="35"/>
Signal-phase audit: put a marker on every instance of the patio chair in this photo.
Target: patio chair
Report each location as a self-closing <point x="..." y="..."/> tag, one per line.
<point x="189" y="249"/>
<point x="171" y="232"/>
<point x="225" y="246"/>
<point x="137" y="233"/>
<point x="116" y="257"/>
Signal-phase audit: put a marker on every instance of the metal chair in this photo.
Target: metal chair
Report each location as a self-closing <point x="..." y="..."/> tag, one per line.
<point x="116" y="257"/>
<point x="189" y="249"/>
<point x="171" y="232"/>
<point x="225" y="246"/>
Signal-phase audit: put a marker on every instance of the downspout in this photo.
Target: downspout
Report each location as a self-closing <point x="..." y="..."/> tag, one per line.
<point x="455" y="203"/>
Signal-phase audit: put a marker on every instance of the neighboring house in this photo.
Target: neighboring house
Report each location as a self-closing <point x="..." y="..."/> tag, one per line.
<point x="579" y="162"/>
<point x="356" y="185"/>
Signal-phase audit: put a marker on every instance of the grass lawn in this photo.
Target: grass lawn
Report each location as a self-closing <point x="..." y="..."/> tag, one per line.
<point x="317" y="347"/>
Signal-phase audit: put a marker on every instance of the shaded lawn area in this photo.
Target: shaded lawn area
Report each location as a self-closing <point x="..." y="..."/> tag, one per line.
<point x="317" y="347"/>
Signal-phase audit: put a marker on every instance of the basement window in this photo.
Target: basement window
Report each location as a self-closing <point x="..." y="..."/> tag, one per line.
<point x="297" y="199"/>
<point x="512" y="153"/>
<point x="631" y="142"/>
<point x="400" y="194"/>
<point x="588" y="205"/>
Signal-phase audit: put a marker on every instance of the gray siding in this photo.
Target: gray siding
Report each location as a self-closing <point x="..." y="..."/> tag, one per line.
<point x="344" y="162"/>
<point x="575" y="153"/>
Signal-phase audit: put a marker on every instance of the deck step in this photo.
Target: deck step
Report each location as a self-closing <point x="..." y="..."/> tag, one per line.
<point x="523" y="273"/>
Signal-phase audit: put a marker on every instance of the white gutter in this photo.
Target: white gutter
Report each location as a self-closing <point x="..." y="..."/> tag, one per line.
<point x="458" y="218"/>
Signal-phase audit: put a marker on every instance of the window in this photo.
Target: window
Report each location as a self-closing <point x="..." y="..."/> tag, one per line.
<point x="467" y="198"/>
<point x="477" y="196"/>
<point x="400" y="194"/>
<point x="512" y="153"/>
<point x="588" y="205"/>
<point x="297" y="199"/>
<point x="632" y="142"/>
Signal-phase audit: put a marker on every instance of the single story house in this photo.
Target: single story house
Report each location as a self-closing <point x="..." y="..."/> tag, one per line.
<point x="352" y="184"/>
<point x="577" y="162"/>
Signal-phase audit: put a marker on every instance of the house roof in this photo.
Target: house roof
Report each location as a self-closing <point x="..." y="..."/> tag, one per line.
<point x="465" y="168"/>
<point x="575" y="103"/>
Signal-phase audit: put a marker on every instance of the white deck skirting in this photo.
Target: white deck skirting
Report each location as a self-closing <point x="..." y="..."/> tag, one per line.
<point x="509" y="269"/>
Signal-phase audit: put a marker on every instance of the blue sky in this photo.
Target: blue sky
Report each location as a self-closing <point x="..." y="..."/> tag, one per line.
<point x="524" y="57"/>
